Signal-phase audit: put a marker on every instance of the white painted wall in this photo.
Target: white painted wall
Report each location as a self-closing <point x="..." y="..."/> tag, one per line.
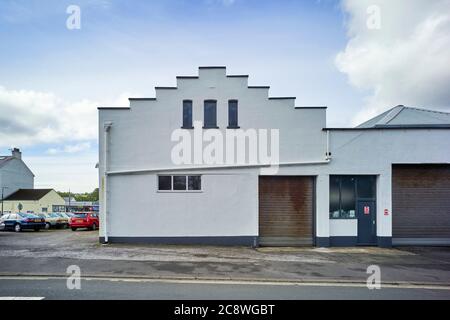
<point x="140" y="139"/>
<point x="227" y="206"/>
<point x="374" y="152"/>
<point x="343" y="227"/>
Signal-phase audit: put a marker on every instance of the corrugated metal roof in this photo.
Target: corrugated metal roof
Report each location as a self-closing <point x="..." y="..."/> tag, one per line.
<point x="408" y="116"/>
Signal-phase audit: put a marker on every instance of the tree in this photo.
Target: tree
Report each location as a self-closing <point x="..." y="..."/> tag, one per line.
<point x="85" y="196"/>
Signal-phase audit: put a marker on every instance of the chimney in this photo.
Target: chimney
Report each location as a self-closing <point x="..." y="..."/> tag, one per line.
<point x="16" y="153"/>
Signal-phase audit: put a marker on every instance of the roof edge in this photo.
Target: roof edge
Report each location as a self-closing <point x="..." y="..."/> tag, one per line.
<point x="142" y="99"/>
<point x="282" y="98"/>
<point x="212" y="67"/>
<point x="237" y="75"/>
<point x="113" y="108"/>
<point x="311" y="107"/>
<point x="393" y="127"/>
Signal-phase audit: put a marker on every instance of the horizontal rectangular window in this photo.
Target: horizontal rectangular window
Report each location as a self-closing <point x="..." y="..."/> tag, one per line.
<point x="180" y="183"/>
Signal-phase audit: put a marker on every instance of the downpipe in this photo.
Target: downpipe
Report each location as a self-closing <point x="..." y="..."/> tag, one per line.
<point x="107" y="127"/>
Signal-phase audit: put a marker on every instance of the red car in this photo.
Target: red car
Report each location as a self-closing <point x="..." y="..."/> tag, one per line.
<point x="84" y="220"/>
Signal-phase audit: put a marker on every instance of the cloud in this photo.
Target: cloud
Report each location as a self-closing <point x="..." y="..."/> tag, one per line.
<point x="30" y="118"/>
<point x="62" y="172"/>
<point x="73" y="148"/>
<point x="225" y="3"/>
<point x="406" y="61"/>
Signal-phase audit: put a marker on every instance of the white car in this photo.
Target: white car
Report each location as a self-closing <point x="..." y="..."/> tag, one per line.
<point x="2" y="223"/>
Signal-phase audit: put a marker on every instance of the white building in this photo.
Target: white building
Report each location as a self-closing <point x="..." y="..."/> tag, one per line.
<point x="14" y="174"/>
<point x="386" y="181"/>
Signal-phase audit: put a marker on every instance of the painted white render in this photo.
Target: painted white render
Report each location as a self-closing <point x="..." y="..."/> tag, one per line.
<point x="139" y="148"/>
<point x="371" y="152"/>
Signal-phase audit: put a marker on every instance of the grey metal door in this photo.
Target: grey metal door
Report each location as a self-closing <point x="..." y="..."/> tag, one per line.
<point x="367" y="223"/>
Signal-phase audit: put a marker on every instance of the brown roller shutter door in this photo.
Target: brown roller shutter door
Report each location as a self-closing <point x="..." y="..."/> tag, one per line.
<point x="286" y="210"/>
<point x="421" y="204"/>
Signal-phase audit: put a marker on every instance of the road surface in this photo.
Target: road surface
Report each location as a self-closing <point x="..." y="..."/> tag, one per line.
<point x="112" y="288"/>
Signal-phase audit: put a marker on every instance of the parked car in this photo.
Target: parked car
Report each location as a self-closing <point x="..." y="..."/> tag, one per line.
<point x="22" y="221"/>
<point x="2" y="223"/>
<point x="84" y="220"/>
<point x="67" y="215"/>
<point x="53" y="220"/>
<point x="63" y="219"/>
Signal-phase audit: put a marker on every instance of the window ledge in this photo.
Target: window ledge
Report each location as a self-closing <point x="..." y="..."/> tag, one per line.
<point x="210" y="127"/>
<point x="179" y="191"/>
<point x="233" y="127"/>
<point x="187" y="127"/>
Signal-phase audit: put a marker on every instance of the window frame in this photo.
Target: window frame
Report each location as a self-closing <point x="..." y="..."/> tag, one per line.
<point x="357" y="197"/>
<point x="230" y="126"/>
<point x="184" y="125"/>
<point x="172" y="185"/>
<point x="205" y="126"/>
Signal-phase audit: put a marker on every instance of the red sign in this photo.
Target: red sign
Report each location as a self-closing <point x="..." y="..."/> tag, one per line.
<point x="386" y="212"/>
<point x="366" y="210"/>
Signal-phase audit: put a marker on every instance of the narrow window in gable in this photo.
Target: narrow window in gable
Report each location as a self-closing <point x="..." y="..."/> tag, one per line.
<point x="187" y="114"/>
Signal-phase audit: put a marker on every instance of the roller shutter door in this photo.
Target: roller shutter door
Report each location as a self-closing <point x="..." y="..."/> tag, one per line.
<point x="286" y="210"/>
<point x="421" y="204"/>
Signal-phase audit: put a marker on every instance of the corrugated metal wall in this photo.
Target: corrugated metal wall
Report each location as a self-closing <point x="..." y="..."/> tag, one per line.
<point x="420" y="204"/>
<point x="286" y="210"/>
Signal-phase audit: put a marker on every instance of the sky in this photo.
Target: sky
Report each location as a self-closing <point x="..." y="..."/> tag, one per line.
<point x="358" y="57"/>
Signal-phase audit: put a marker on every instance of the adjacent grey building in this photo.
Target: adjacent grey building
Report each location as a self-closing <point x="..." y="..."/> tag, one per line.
<point x="14" y="174"/>
<point x="384" y="182"/>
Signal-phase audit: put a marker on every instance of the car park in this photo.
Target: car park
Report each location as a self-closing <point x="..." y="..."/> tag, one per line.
<point x="23" y="221"/>
<point x="87" y="220"/>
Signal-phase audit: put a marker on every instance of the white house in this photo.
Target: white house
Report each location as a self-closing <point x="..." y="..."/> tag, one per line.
<point x="298" y="182"/>
<point x="14" y="174"/>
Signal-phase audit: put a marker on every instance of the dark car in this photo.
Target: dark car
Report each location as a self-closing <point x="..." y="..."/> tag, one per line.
<point x="23" y="221"/>
<point x="84" y="220"/>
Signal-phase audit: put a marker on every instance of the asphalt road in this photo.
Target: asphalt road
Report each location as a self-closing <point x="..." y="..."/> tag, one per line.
<point x="52" y="252"/>
<point x="93" y="289"/>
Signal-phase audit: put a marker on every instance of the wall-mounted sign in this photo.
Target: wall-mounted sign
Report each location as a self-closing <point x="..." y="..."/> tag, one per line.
<point x="386" y="212"/>
<point x="366" y="210"/>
